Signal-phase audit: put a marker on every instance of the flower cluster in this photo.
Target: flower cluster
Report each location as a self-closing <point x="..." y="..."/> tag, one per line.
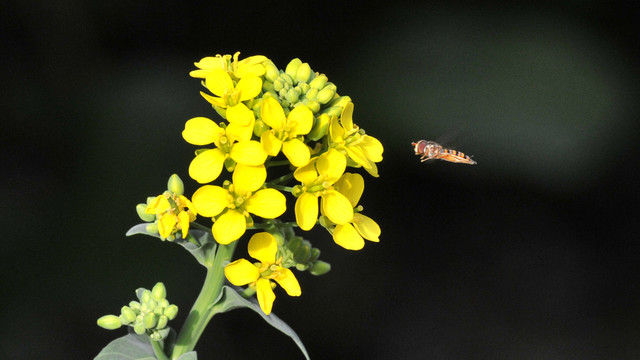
<point x="275" y="120"/>
<point x="149" y="315"/>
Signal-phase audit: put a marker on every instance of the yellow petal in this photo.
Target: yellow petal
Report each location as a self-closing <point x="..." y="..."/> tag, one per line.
<point x="166" y="223"/>
<point x="306" y="211"/>
<point x="159" y="205"/>
<point x="332" y="164"/>
<point x="347" y="237"/>
<point x="207" y="166"/>
<point x="210" y="200"/>
<point x="336" y="207"/>
<point x="272" y="113"/>
<point x="336" y="131"/>
<point x="248" y="178"/>
<point x="288" y="282"/>
<point x="248" y="153"/>
<point x="347" y="117"/>
<point x="356" y="154"/>
<point x="184" y="219"/>
<point x="255" y="69"/>
<point x="201" y="131"/>
<point x="307" y="174"/>
<point x="216" y="101"/>
<point x="265" y="295"/>
<point x="300" y="121"/>
<point x="373" y="169"/>
<point x="237" y="132"/>
<point x="372" y="148"/>
<point x="229" y="227"/>
<point x="249" y="87"/>
<point x="267" y="203"/>
<point x="351" y="186"/>
<point x="210" y="63"/>
<point x="297" y="152"/>
<point x="219" y="82"/>
<point x="263" y="247"/>
<point x="368" y="228"/>
<point x="270" y="143"/>
<point x="240" y="114"/>
<point x="241" y="272"/>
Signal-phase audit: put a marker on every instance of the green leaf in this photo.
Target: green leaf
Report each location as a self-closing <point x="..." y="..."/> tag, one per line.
<point x="191" y="355"/>
<point x="198" y="242"/>
<point x="129" y="347"/>
<point x="230" y="299"/>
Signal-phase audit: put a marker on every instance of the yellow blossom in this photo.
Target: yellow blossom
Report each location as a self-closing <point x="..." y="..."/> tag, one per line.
<point x="286" y="132"/>
<point x="251" y="65"/>
<point x="231" y="142"/>
<point x="230" y="208"/>
<point x="351" y="141"/>
<point x="352" y="234"/>
<point x="173" y="213"/>
<point x="263" y="247"/>
<point x="228" y="94"/>
<point x="317" y="178"/>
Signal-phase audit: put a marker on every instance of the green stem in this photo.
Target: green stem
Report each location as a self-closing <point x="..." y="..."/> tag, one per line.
<point x="280" y="187"/>
<point x="198" y="317"/>
<point x="270" y="225"/>
<point x="158" y="350"/>
<point x="278" y="163"/>
<point x="282" y="179"/>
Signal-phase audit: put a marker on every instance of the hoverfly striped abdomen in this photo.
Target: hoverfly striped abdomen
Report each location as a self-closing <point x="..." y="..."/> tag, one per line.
<point x="432" y="150"/>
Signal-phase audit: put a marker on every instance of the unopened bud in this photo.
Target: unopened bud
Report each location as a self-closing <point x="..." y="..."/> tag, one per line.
<point x="325" y="95"/>
<point x="311" y="94"/>
<point x="162" y="322"/>
<point x="318" y="82"/>
<point x="171" y="311"/>
<point x="128" y="314"/>
<point x="320" y="268"/>
<point x="315" y="254"/>
<point x="140" y="209"/>
<point x="175" y="185"/>
<point x="294" y="243"/>
<point x="150" y="320"/>
<point x="303" y="73"/>
<point x="271" y="70"/>
<point x="320" y="127"/>
<point x="109" y="322"/>
<point x="139" y="328"/>
<point x="340" y="101"/>
<point x="159" y="292"/>
<point x="152" y="228"/>
<point x="301" y="255"/>
<point x="292" y="67"/>
<point x="293" y="95"/>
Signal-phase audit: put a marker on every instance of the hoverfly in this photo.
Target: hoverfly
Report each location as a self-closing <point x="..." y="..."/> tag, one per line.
<point x="432" y="150"/>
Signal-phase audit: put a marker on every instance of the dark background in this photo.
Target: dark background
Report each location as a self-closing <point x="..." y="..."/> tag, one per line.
<point x="531" y="254"/>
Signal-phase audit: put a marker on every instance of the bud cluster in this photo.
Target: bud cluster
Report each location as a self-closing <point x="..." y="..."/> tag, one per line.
<point x="298" y="252"/>
<point x="149" y="315"/>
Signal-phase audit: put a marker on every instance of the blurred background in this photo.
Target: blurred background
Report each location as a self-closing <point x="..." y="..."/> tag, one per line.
<point x="531" y="254"/>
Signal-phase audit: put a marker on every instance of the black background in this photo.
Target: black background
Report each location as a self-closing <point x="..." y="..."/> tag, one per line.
<point x="531" y="254"/>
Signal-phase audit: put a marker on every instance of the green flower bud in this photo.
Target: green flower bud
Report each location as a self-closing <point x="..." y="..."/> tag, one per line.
<point x="155" y="336"/>
<point x="175" y="185"/>
<point x="152" y="228"/>
<point x="159" y="292"/>
<point x="259" y="128"/>
<point x="293" y="95"/>
<point x="315" y="254"/>
<point x="303" y="73"/>
<point x="288" y="80"/>
<point x="333" y="111"/>
<point x="325" y="95"/>
<point x="320" y="268"/>
<point x="292" y="67"/>
<point x="311" y="94"/>
<point x="128" y="314"/>
<point x="159" y="310"/>
<point x="109" y="322"/>
<point x="150" y="320"/>
<point x="163" y="303"/>
<point x="171" y="311"/>
<point x="294" y="243"/>
<point x="135" y="306"/>
<point x="162" y="322"/>
<point x="303" y="87"/>
<point x="340" y="101"/>
<point x="302" y="254"/>
<point x="320" y="127"/>
<point x="271" y="70"/>
<point x="313" y="105"/>
<point x="140" y="209"/>
<point x="139" y="328"/>
<point x="267" y="86"/>
<point x="302" y="267"/>
<point x="279" y="238"/>
<point x="143" y="295"/>
<point x="319" y="81"/>
<point x="278" y="84"/>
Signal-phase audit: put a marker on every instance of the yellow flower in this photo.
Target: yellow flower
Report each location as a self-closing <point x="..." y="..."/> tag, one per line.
<point x="231" y="142"/>
<point x="264" y="248"/>
<point x="251" y="65"/>
<point x="350" y="235"/>
<point x="226" y="93"/>
<point x="286" y="131"/>
<point x="173" y="213"/>
<point x="347" y="137"/>
<point x="230" y="208"/>
<point x="317" y="178"/>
